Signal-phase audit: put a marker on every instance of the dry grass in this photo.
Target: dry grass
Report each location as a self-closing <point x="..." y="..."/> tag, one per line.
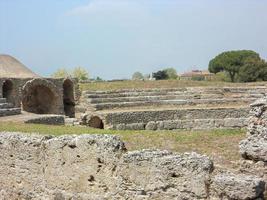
<point x="220" y="145"/>
<point x="160" y="84"/>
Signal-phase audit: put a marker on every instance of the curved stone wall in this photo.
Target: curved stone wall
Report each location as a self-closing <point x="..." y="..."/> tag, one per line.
<point x="210" y="118"/>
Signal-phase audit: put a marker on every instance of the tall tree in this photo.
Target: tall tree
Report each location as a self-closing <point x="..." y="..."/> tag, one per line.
<point x="80" y="73"/>
<point x="138" y="76"/>
<point x="231" y="62"/>
<point x="171" y="72"/>
<point x="61" y="73"/>
<point x="253" y="70"/>
<point x="160" y="75"/>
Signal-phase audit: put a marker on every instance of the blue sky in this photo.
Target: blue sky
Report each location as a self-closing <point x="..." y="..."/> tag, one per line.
<point x="114" y="38"/>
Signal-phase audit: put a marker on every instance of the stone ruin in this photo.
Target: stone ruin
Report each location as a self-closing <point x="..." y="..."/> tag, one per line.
<point x="169" y="108"/>
<point x="20" y="88"/>
<point x="254" y="148"/>
<point x="100" y="167"/>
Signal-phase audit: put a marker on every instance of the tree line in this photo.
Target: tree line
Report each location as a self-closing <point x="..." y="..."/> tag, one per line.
<point x="234" y="66"/>
<point x="168" y="73"/>
<point x="240" y="66"/>
<point x="78" y="72"/>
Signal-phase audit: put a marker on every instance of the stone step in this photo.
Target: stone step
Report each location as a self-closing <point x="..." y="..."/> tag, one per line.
<point x="150" y="98"/>
<point x="6" y="105"/>
<point x="2" y="100"/>
<point x="188" y="95"/>
<point x="253" y="89"/>
<point x="103" y="106"/>
<point x="170" y="97"/>
<point x="136" y="91"/>
<point x="9" y="111"/>
<point x="131" y="117"/>
<point x="194" y="124"/>
<point x="134" y="94"/>
<point x="192" y="92"/>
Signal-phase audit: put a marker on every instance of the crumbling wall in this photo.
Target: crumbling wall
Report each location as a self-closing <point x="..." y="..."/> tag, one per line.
<point x="254" y="147"/>
<point x="57" y="85"/>
<point x="99" y="167"/>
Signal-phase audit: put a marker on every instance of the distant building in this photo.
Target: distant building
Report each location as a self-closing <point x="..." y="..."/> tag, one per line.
<point x="197" y="75"/>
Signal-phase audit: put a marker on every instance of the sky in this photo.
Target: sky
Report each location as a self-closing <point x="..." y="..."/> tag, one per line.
<point x="113" y="39"/>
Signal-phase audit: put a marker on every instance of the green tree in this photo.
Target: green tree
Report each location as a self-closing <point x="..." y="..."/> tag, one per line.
<point x="160" y="75"/>
<point x="253" y="70"/>
<point x="137" y="76"/>
<point x="231" y="62"/>
<point x="98" y="79"/>
<point x="80" y="73"/>
<point x="61" y="73"/>
<point x="171" y="72"/>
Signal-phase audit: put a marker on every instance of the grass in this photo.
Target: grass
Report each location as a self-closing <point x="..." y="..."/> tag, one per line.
<point x="220" y="145"/>
<point x="117" y="85"/>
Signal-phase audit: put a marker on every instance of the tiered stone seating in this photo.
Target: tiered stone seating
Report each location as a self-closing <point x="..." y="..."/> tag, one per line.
<point x="105" y="100"/>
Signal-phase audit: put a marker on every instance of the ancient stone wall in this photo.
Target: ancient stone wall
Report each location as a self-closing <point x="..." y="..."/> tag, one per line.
<point x="192" y="96"/>
<point x="254" y="147"/>
<point x="54" y="85"/>
<point x="177" y="119"/>
<point x="99" y="167"/>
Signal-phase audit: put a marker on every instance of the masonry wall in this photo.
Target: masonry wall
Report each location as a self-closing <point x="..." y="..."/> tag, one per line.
<point x="178" y="119"/>
<point x="57" y="85"/>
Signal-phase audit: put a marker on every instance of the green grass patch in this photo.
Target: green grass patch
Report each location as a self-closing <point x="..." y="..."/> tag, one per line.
<point x="117" y="85"/>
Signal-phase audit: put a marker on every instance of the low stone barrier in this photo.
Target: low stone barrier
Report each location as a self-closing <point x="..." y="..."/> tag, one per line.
<point x="178" y="119"/>
<point x="47" y="119"/>
<point x="99" y="167"/>
<point x="194" y="124"/>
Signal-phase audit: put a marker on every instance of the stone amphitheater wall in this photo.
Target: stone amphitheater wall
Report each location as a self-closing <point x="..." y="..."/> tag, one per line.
<point x="178" y="119"/>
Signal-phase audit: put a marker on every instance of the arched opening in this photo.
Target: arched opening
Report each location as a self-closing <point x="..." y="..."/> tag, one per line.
<point x="96" y="122"/>
<point x="68" y="98"/>
<point x="39" y="99"/>
<point x="8" y="91"/>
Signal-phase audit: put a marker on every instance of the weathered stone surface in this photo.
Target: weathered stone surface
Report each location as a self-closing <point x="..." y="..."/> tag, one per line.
<point x="151" y="126"/>
<point x="36" y="167"/>
<point x="171" y="96"/>
<point x="258" y="168"/>
<point x="162" y="175"/>
<point x="179" y="114"/>
<point x="194" y="124"/>
<point x="254" y="147"/>
<point x="238" y="187"/>
<point x="95" y="167"/>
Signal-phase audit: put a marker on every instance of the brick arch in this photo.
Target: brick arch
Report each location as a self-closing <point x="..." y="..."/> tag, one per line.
<point x="41" y="96"/>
